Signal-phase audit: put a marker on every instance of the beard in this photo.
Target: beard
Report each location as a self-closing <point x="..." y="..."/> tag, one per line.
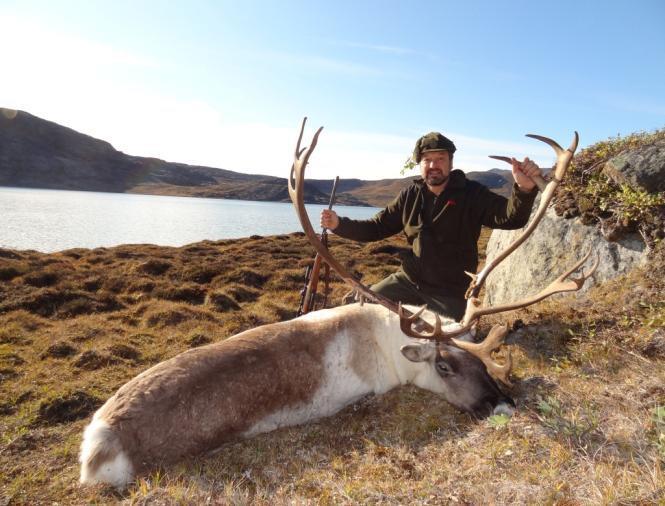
<point x="435" y="178"/>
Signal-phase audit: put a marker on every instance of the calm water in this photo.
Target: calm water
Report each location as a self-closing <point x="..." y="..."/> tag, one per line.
<point x="53" y="220"/>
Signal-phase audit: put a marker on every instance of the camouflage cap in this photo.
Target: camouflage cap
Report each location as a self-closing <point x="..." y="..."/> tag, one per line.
<point x="432" y="141"/>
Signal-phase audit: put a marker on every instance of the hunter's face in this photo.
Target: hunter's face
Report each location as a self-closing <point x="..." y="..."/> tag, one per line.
<point x="435" y="167"/>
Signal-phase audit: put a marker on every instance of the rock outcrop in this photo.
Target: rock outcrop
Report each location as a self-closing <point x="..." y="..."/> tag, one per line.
<point x="642" y="168"/>
<point x="559" y="241"/>
<point x="554" y="246"/>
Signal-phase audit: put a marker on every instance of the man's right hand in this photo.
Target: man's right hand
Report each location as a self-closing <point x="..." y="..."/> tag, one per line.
<point x="329" y="219"/>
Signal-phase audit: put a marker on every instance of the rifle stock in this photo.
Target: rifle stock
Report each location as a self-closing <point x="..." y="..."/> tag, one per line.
<point x="303" y="291"/>
<point x="308" y="299"/>
<point x="312" y="286"/>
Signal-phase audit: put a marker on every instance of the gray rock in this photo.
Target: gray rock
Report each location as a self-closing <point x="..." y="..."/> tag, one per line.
<point x="655" y="347"/>
<point x="642" y="167"/>
<point x="555" y="246"/>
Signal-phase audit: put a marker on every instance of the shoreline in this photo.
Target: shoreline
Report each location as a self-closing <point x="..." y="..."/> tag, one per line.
<point x="182" y="194"/>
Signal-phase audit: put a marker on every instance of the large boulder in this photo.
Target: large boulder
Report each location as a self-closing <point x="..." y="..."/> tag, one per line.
<point x="554" y="246"/>
<point x="642" y="167"/>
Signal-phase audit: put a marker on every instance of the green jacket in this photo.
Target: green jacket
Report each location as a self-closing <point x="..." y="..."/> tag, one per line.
<point x="443" y="231"/>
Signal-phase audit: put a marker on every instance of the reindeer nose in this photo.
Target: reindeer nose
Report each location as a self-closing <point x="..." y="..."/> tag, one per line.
<point x="503" y="408"/>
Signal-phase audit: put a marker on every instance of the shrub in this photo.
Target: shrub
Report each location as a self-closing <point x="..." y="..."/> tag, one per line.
<point x="201" y="273"/>
<point x="153" y="267"/>
<point x="192" y="294"/>
<point x="67" y="408"/>
<point x="243" y="294"/>
<point x="124" y="351"/>
<point x="589" y="192"/>
<point x="59" y="350"/>
<point x="249" y="278"/>
<point x="41" y="279"/>
<point x="197" y="339"/>
<point x="221" y="302"/>
<point x="9" y="272"/>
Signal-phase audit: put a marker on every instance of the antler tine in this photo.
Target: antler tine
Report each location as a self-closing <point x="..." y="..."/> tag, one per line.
<point x="559" y="285"/>
<point x="296" y="191"/>
<point x="560" y="152"/>
<point x="302" y="157"/>
<point x="540" y="182"/>
<point x="406" y="324"/>
<point x="302" y="131"/>
<point x="579" y="264"/>
<point x="438" y="334"/>
<point x="296" y="186"/>
<point x="484" y="349"/>
<point x="555" y="145"/>
<point x="496" y="336"/>
<point x="412" y="317"/>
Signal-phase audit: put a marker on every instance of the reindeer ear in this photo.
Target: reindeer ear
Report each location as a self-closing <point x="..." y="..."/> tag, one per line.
<point x="420" y="352"/>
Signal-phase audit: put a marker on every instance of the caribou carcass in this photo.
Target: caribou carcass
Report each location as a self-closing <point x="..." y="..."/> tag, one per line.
<point x="291" y="372"/>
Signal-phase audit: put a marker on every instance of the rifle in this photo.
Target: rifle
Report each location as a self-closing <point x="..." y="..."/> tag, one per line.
<point x="312" y="272"/>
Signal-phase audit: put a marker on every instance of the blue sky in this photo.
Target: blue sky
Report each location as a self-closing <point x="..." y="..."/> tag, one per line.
<point x="226" y="83"/>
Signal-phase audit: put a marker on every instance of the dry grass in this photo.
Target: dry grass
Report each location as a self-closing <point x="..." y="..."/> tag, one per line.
<point x="75" y="325"/>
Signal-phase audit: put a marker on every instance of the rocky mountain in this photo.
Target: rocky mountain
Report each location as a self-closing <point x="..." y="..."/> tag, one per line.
<point x="36" y="153"/>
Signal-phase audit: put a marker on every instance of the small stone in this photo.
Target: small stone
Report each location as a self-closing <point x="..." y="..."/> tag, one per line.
<point x="655" y="347"/>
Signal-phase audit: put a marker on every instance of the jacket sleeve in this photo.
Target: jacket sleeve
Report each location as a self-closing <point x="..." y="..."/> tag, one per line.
<point x="506" y="214"/>
<point x="386" y="223"/>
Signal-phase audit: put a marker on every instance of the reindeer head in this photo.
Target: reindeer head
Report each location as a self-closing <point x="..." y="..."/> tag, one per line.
<point x="459" y="376"/>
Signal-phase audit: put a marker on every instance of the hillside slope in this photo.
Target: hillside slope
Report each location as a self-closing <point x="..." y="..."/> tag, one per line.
<point x="36" y="153"/>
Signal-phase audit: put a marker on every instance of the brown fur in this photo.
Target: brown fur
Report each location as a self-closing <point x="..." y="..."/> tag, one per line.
<point x="204" y="397"/>
<point x="364" y="360"/>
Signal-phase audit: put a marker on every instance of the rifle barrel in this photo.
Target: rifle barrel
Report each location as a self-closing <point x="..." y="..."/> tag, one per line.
<point x="332" y="193"/>
<point x="331" y="202"/>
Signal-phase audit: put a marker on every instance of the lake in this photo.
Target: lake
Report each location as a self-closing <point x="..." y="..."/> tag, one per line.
<point x="54" y="220"/>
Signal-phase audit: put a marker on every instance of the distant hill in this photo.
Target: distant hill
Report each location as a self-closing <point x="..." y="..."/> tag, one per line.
<point x="379" y="193"/>
<point x="36" y="153"/>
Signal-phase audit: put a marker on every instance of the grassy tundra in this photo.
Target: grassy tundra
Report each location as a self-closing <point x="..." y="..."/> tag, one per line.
<point x="76" y="325"/>
<point x="589" y="382"/>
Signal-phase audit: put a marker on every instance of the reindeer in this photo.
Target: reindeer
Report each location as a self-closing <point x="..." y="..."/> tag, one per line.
<point x="292" y="372"/>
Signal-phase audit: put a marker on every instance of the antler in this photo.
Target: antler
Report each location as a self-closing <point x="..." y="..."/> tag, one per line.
<point x="296" y="192"/>
<point x="408" y="319"/>
<point x="559" y="285"/>
<point x="484" y="349"/>
<point x="495" y="338"/>
<point x="474" y="311"/>
<point x="563" y="159"/>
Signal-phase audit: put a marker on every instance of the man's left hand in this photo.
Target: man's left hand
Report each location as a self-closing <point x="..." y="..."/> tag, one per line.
<point x="523" y="172"/>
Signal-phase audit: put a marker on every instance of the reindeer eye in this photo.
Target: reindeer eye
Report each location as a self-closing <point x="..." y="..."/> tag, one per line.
<point x="442" y="368"/>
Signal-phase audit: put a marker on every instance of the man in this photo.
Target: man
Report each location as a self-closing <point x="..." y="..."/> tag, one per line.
<point x="441" y="216"/>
